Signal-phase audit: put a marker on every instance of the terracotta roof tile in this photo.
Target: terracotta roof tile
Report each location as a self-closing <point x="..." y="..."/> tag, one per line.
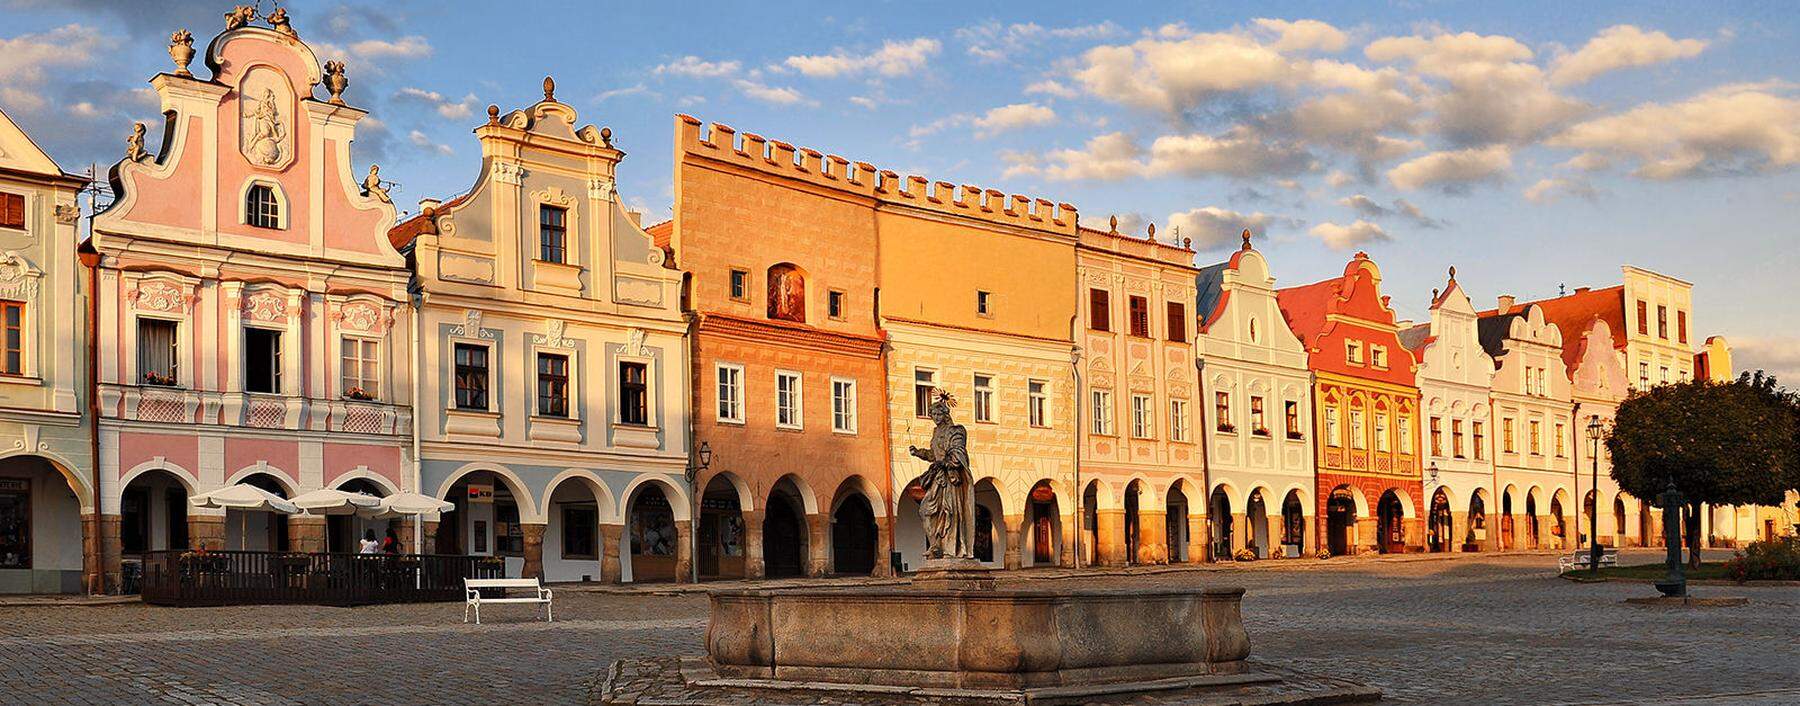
<point x="403" y="233"/>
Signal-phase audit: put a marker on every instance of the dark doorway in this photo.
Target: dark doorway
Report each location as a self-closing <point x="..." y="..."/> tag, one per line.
<point x="1219" y="515"/>
<point x="1340" y="522"/>
<point x="853" y="533"/>
<point x="1389" y="517"/>
<point x="784" y="538"/>
<point x="721" y="531"/>
<point x="1131" y="523"/>
<point x="1437" y="535"/>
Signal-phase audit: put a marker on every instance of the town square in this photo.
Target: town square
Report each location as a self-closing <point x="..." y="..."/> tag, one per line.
<point x="1186" y="353"/>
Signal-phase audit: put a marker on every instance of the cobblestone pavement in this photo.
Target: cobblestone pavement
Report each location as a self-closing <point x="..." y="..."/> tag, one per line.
<point x="1500" y="630"/>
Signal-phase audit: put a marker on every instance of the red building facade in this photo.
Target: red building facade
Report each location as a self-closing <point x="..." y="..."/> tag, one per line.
<point x="1365" y="406"/>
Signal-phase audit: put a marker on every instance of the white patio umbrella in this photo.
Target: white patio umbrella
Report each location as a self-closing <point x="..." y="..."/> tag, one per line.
<point x="410" y="504"/>
<point x="331" y="501"/>
<point x="244" y="497"/>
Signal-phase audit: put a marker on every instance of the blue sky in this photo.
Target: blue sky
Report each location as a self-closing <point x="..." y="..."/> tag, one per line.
<point x="1529" y="144"/>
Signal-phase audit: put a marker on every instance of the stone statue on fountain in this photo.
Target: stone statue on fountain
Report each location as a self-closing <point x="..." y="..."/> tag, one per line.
<point x="947" y="508"/>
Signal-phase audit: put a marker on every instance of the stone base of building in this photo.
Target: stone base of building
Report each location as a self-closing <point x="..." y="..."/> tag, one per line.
<point x="692" y="680"/>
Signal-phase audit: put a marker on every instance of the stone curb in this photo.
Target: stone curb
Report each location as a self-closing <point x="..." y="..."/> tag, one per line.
<point x="69" y="602"/>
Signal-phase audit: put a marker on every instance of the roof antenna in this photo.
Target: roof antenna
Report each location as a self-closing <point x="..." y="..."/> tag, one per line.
<point x="1562" y="289"/>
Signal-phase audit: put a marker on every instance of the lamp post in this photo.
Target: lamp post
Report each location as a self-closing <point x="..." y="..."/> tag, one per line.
<point x="1595" y="431"/>
<point x="1431" y="528"/>
<point x="693" y="477"/>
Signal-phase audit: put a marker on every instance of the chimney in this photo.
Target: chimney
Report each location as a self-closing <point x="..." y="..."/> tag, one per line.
<point x="1582" y="290"/>
<point x="636" y="216"/>
<point x="428" y="204"/>
<point x="1506" y="303"/>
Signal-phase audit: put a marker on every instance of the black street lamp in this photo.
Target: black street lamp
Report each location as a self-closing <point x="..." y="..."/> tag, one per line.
<point x="693" y="476"/>
<point x="1595" y="432"/>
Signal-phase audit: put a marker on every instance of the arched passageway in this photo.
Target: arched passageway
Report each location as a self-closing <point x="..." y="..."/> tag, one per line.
<point x="1559" y="524"/>
<point x="255" y="530"/>
<point x="344" y="533"/>
<point x="854" y="536"/>
<point x="1532" y="540"/>
<point x="40" y="527"/>
<point x="1043" y="518"/>
<point x="1618" y="538"/>
<point x="1340" y="522"/>
<point x="572" y="541"/>
<point x="1090" y="524"/>
<point x="485" y="520"/>
<point x="652" y="536"/>
<point x="1133" y="523"/>
<point x="785" y="548"/>
<point x="1177" y="524"/>
<point x="721" y="531"/>
<point x="153" y="513"/>
<point x="1440" y="528"/>
<point x="989" y="541"/>
<point x="1218" y="513"/>
<point x="1293" y="525"/>
<point x="1390" y="517"/>
<point x="1477" y="536"/>
<point x="1256" y="515"/>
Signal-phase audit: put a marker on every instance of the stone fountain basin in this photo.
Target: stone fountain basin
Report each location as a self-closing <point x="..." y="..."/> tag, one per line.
<point x="1010" y="639"/>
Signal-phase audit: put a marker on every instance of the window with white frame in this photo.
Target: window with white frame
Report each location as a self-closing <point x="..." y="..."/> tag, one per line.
<point x="924" y="383"/>
<point x="262" y="360"/>
<point x="1562" y="446"/>
<point x="1259" y="424"/>
<point x="730" y="393"/>
<point x="1222" y="412"/>
<point x="1143" y="420"/>
<point x="787" y="400"/>
<point x="1103" y="413"/>
<point x="1178" y="420"/>
<point x="1353" y="352"/>
<point x="1332" y="437"/>
<point x="1378" y="356"/>
<point x="358" y="359"/>
<point x="1537" y="437"/>
<point x="1381" y="431"/>
<point x="1037" y="403"/>
<point x="1406" y="434"/>
<point x="843" y="405"/>
<point x="471" y="377"/>
<point x="12" y="321"/>
<point x="552" y="385"/>
<point x="634" y="393"/>
<point x="984" y="398"/>
<point x="262" y="207"/>
<point x="1357" y="439"/>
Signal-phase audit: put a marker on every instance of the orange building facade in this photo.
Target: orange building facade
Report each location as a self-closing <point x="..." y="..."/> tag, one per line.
<point x="780" y="265"/>
<point x="1366" y="402"/>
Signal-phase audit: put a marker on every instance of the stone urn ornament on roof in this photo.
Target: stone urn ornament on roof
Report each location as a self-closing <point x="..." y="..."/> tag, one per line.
<point x="336" y="81"/>
<point x="181" y="49"/>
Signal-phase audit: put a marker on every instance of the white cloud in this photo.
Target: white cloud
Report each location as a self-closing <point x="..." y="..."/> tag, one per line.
<point x="993" y="41"/>
<point x="1777" y="355"/>
<point x="865" y="102"/>
<point x="1494" y="94"/>
<point x="1588" y="162"/>
<point x="1239" y="152"/>
<point x="694" y="67"/>
<point x="1416" y="215"/>
<point x="894" y="58"/>
<point x="778" y="95"/>
<point x="422" y="141"/>
<point x="1304" y="35"/>
<point x="1557" y="188"/>
<point x="1368" y="208"/>
<point x="1452" y="171"/>
<point x="1338" y="180"/>
<point x="408" y="47"/>
<point x="1364" y="206"/>
<point x="1051" y="87"/>
<point x="610" y="94"/>
<point x="1212" y="228"/>
<point x="27" y="60"/>
<point x="1345" y="237"/>
<point x="1012" y="117"/>
<point x="1107" y="157"/>
<point x="446" y="108"/>
<point x="1733" y="129"/>
<point x="1621" y="47"/>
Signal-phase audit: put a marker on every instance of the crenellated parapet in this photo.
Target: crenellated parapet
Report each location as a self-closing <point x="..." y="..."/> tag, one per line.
<point x="750" y="150"/>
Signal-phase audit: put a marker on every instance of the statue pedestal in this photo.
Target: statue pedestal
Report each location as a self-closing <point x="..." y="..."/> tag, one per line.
<point x="953" y="574"/>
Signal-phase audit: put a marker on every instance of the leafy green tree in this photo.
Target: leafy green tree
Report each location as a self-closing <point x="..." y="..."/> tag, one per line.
<point x="1730" y="443"/>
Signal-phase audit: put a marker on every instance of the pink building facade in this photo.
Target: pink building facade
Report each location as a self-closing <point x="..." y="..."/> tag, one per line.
<point x="252" y="315"/>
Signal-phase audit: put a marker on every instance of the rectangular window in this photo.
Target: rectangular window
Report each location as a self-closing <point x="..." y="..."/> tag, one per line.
<point x="1177" y="322"/>
<point x="924" y="383"/>
<point x="471" y="377"/>
<point x="1456" y="438"/>
<point x="1643" y="317"/>
<point x="15" y="523"/>
<point x="12" y="211"/>
<point x="552" y="385"/>
<point x="1378" y="356"/>
<point x="1537" y="437"/>
<point x="984" y="398"/>
<point x="1292" y="413"/>
<point x="1103" y="412"/>
<point x="1037" y="403"/>
<point x="1437" y="436"/>
<point x="1332" y="436"/>
<point x="984" y="303"/>
<point x="740" y="284"/>
<point x="1178" y="420"/>
<point x="1681" y="325"/>
<point x="1480" y="432"/>
<point x="1358" y="440"/>
<point x="1381" y="432"/>
<point x="731" y="393"/>
<point x="1643" y="375"/>
<point x="1143" y="421"/>
<point x="1353" y="352"/>
<point x="1222" y="412"/>
<point x="580" y="531"/>
<point x="634" y="393"/>
<point x="1140" y="316"/>
<point x="262" y="360"/>
<point x="1099" y="310"/>
<point x="1662" y="322"/>
<point x="1665" y="374"/>
<point x="843" y="406"/>
<point x="357" y="361"/>
<point x="1406" y="435"/>
<point x="1562" y="446"/>
<point x="1506" y="436"/>
<point x="158" y="352"/>
<point x="787" y="400"/>
<point x="553" y="234"/>
<point x="1258" y="425"/>
<point x="834" y="304"/>
<point x="12" y="318"/>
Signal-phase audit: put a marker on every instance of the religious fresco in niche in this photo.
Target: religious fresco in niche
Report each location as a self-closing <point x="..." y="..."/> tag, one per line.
<point x="787" y="293"/>
<point x="265" y="110"/>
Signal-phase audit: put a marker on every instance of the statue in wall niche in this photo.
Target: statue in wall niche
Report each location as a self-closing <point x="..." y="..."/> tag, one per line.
<point x="945" y="509"/>
<point x="266" y="131"/>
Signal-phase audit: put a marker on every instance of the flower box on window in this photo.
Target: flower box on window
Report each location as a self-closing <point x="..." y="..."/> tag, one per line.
<point x="156" y="378"/>
<point x="1228" y="427"/>
<point x="1295" y="436"/>
<point x="359" y="394"/>
<point x="1260" y="432"/>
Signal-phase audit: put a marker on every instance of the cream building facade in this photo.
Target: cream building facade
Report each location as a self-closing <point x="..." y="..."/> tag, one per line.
<point x="1141" y="442"/>
<point x="1258" y="452"/>
<point x="1598" y="383"/>
<point x="1455" y="377"/>
<point x="554" y="407"/>
<point x="1657" y="348"/>
<point x="1534" y="434"/>
<point x="47" y="507"/>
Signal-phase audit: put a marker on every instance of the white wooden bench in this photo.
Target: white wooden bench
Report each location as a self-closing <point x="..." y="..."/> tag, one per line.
<point x="1579" y="560"/>
<point x="473" y="588"/>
